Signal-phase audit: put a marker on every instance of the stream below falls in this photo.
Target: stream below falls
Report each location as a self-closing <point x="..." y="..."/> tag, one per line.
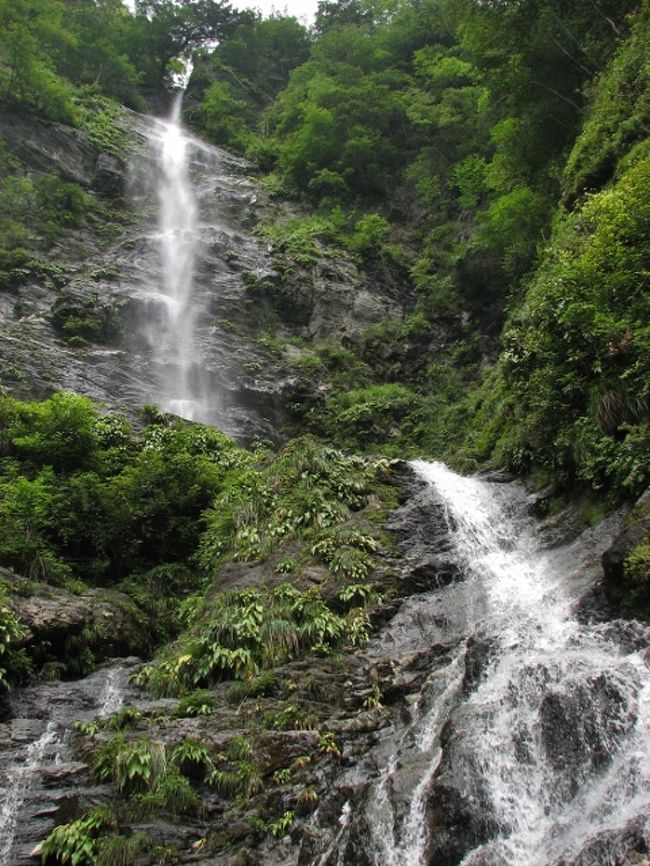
<point x="527" y="744"/>
<point x="42" y="780"/>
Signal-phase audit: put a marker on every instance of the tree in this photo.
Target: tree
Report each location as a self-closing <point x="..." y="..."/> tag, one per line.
<point x="165" y="30"/>
<point x="32" y="34"/>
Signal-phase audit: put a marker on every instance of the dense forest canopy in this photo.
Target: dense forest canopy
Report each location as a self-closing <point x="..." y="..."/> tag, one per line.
<point x="485" y="163"/>
<point x="477" y="149"/>
<point x="491" y="157"/>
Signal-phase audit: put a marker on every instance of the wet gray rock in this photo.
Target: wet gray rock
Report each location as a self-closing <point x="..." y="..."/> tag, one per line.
<point x="108" y="176"/>
<point x="53" y="615"/>
<point x="421" y="531"/>
<point x="456" y="826"/>
<point x="634" y="531"/>
<point x="46" y="147"/>
<point x="479" y="653"/>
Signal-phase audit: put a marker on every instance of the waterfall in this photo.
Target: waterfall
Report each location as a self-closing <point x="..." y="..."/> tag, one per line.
<point x="178" y="226"/>
<point x="22" y="777"/>
<point x="171" y="326"/>
<point x="175" y="248"/>
<point x="184" y="283"/>
<point x="545" y="758"/>
<point x="38" y="755"/>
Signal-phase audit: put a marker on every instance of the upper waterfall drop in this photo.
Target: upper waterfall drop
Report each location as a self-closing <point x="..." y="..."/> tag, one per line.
<point x="182" y="390"/>
<point x="178" y="222"/>
<point x="190" y="316"/>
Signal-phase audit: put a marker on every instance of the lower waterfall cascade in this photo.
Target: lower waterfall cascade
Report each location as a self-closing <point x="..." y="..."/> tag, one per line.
<point x="544" y="753"/>
<point x="525" y="746"/>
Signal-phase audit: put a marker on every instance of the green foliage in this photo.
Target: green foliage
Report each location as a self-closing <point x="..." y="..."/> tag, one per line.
<point x="369" y="234"/>
<point x="141" y="772"/>
<point x="265" y="684"/>
<point x="618" y="117"/>
<point x="11" y="632"/>
<point x="192" y="758"/>
<point x="77" y="843"/>
<point x="307" y="487"/>
<point x="513" y="225"/>
<point x="572" y="393"/>
<point x="135" y="766"/>
<point x="281" y="825"/>
<point x="328" y="745"/>
<point x="89" y="729"/>
<point x="125" y="718"/>
<point x="224" y="119"/>
<point x="92" y="320"/>
<point x="637" y="578"/>
<point x="234" y="775"/>
<point x="197" y="703"/>
<point x="297" y="239"/>
<point x="289" y="716"/>
<point x="34" y="213"/>
<point x="80" y="494"/>
<point x="123" y="850"/>
<point x="246" y="630"/>
<point x="173" y="795"/>
<point x="31" y="36"/>
<point x="368" y="415"/>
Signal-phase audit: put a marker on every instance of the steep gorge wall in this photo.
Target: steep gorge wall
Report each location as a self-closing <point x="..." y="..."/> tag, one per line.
<point x="77" y="325"/>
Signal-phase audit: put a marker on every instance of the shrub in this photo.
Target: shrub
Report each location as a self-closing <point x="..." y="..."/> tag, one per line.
<point x="250" y="629"/>
<point x="77" y="843"/>
<point x="197" y="703"/>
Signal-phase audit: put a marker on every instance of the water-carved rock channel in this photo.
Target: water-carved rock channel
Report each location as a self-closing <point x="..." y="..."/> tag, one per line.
<point x="528" y="741"/>
<point x="514" y="731"/>
<point x="43" y="779"/>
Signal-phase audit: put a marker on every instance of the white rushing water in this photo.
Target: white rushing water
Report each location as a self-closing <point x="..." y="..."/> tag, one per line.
<point x="173" y="308"/>
<point x="25" y="767"/>
<point x="21" y="779"/>
<point x="552" y="747"/>
<point x="178" y="240"/>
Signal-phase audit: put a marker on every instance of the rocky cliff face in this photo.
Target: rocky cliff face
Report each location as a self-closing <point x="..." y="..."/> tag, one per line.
<point x="79" y="326"/>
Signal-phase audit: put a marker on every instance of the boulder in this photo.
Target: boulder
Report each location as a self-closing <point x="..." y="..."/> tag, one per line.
<point x="52" y="615"/>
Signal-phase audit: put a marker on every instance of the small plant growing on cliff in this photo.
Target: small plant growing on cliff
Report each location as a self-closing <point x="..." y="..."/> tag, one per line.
<point x="327" y="744"/>
<point x="89" y="729"/>
<point x="365" y="592"/>
<point x="197" y="703"/>
<point x="11" y="631"/>
<point x="281" y="826"/>
<point x="283" y="776"/>
<point x="637" y="576"/>
<point x="76" y="843"/>
<point x="373" y="701"/>
<point x="134" y="766"/>
<point x="307" y="798"/>
<point x="173" y="795"/>
<point x="192" y="759"/>
<point x="239" y="748"/>
<point x="125" y="718"/>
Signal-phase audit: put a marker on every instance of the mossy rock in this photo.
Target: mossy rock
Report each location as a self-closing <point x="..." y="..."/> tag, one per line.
<point x="627" y="563"/>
